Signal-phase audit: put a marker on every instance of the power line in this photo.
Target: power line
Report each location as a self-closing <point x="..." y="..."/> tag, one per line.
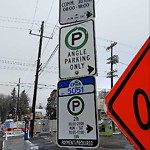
<point x="34" y="14"/>
<point x="20" y="19"/>
<point x="52" y="34"/>
<point x="123" y="63"/>
<point x="50" y="11"/>
<point x="27" y="84"/>
<point x="17" y="63"/>
<point x="51" y="56"/>
<point x="25" y="69"/>
<point x="18" y="28"/>
<point x="119" y="43"/>
<point x="24" y="21"/>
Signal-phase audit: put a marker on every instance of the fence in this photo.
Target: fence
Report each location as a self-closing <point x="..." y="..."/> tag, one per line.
<point x="45" y="126"/>
<point x="40" y="126"/>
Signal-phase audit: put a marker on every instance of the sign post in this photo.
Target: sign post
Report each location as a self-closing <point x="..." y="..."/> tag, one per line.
<point x="26" y="132"/>
<point x="77" y="124"/>
<point x="128" y="103"/>
<point x="77" y="53"/>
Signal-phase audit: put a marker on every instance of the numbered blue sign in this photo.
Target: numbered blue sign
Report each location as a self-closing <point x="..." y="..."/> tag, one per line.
<point x="76" y="86"/>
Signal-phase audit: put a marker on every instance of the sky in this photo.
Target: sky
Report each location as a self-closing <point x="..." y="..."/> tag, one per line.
<point x="126" y="22"/>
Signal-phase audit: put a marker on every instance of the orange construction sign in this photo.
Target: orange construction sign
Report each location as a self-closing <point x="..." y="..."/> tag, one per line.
<point x="128" y="103"/>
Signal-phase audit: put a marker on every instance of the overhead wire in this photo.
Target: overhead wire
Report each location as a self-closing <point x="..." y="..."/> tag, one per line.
<point x="30" y="85"/>
<point x="50" y="11"/>
<point x="52" y="34"/>
<point x="19" y="19"/>
<point x="18" y="28"/>
<point x="13" y="65"/>
<point x="51" y="56"/>
<point x="34" y="14"/>
<point x="55" y="27"/>
<point x="24" y="21"/>
<point x="32" y="29"/>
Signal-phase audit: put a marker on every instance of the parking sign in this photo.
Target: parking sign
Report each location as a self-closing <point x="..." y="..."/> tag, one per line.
<point x="77" y="114"/>
<point x="77" y="53"/>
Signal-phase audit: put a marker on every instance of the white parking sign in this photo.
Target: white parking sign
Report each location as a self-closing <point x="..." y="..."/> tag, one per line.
<point x="77" y="54"/>
<point x="75" y="10"/>
<point x="77" y="114"/>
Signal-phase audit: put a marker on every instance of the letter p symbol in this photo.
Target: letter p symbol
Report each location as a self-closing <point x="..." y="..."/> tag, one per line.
<point x="76" y="36"/>
<point x="75" y="104"/>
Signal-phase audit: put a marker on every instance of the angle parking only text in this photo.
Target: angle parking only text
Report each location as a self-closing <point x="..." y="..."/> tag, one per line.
<point x="77" y="54"/>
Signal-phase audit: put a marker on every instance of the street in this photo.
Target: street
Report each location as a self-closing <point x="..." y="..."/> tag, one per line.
<point x="48" y="142"/>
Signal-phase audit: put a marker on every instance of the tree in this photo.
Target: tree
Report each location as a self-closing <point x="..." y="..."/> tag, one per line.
<point x="24" y="103"/>
<point x="102" y="94"/>
<point x="4" y="107"/>
<point x="51" y="105"/>
<point x="13" y="104"/>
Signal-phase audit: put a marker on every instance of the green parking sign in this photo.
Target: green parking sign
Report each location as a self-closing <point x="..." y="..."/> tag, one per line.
<point x="77" y="52"/>
<point x="76" y="34"/>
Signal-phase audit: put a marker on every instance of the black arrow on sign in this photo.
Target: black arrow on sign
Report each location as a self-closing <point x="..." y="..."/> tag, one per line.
<point x="90" y="69"/>
<point x="89" y="128"/>
<point x="88" y="14"/>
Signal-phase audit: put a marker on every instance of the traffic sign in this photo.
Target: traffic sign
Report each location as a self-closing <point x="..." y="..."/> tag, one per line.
<point x="77" y="54"/>
<point x="71" y="11"/>
<point x="77" y="114"/>
<point x="128" y="103"/>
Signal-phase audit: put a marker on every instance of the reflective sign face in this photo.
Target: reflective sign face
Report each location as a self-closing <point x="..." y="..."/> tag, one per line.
<point x="128" y="102"/>
<point x="77" y="54"/>
<point x="76" y="103"/>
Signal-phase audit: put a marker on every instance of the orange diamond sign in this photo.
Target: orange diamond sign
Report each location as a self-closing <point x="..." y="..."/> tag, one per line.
<point x="128" y="103"/>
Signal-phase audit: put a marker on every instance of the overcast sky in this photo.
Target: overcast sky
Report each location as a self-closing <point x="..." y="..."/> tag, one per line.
<point x="123" y="21"/>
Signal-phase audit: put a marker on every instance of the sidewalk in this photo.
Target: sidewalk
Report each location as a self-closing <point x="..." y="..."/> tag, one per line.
<point x="18" y="143"/>
<point x="36" y="143"/>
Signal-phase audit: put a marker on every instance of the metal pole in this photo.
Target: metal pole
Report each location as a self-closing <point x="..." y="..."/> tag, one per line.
<point x="111" y="68"/>
<point x="18" y="103"/>
<point x="36" y="82"/>
<point x="112" y="71"/>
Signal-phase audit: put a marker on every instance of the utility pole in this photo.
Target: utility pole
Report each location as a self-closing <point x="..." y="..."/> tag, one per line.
<point x="36" y="81"/>
<point x="18" y="102"/>
<point x="112" y="60"/>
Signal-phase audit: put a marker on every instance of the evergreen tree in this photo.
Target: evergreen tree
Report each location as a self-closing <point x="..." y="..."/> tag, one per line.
<point x="24" y="103"/>
<point x="51" y="105"/>
<point x="13" y="104"/>
<point x="4" y="107"/>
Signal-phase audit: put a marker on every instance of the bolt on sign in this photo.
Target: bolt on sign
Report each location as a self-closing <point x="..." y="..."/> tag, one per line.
<point x="77" y="123"/>
<point x="128" y="103"/>
<point x="77" y="54"/>
<point x="71" y="11"/>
